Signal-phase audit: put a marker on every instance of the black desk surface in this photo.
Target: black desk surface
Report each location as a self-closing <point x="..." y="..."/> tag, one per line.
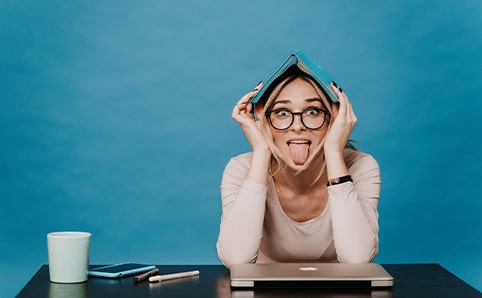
<point x="410" y="280"/>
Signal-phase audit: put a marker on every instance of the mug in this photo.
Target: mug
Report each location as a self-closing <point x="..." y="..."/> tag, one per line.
<point x="68" y="254"/>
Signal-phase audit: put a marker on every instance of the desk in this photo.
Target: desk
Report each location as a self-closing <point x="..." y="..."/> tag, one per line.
<point x="420" y="280"/>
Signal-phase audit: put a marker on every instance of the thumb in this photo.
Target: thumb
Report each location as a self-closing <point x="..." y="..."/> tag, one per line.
<point x="258" y="109"/>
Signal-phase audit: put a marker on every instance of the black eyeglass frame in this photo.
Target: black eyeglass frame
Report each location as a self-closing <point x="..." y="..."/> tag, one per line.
<point x="325" y="112"/>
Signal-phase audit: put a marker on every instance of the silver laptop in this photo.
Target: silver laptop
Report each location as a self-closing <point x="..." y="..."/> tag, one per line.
<point x="310" y="275"/>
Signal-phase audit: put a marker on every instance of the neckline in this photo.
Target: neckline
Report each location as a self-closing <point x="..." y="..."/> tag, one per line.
<point x="285" y="215"/>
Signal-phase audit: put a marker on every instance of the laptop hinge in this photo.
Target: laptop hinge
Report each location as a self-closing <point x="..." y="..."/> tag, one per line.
<point x="313" y="284"/>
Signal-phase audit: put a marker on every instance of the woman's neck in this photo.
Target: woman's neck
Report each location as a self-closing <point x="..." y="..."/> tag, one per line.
<point x="301" y="181"/>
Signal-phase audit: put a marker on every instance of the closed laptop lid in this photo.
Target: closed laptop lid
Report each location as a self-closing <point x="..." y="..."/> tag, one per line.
<point x="338" y="275"/>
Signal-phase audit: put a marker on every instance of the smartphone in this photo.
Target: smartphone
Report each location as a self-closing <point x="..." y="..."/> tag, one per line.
<point x="119" y="270"/>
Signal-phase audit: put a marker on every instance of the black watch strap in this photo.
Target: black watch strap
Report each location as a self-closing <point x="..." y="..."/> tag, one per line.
<point x="339" y="180"/>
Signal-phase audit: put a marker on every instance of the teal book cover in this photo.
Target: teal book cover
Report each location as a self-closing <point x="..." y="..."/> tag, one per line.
<point x="304" y="63"/>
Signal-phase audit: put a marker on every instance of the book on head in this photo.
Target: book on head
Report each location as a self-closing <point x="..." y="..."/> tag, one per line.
<point x="304" y="63"/>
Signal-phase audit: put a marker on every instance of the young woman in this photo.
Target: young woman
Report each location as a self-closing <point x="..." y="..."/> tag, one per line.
<point x="303" y="194"/>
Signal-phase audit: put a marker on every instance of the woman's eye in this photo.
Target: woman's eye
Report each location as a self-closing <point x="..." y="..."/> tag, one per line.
<point x="282" y="113"/>
<point x="312" y="112"/>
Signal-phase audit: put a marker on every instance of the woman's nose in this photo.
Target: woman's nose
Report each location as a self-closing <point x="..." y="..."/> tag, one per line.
<point x="297" y="123"/>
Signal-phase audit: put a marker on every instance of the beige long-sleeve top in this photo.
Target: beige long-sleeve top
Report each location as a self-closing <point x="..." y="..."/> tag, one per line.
<point x="254" y="227"/>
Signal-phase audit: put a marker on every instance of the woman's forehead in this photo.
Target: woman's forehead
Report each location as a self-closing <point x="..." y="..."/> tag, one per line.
<point x="299" y="87"/>
<point x="298" y="90"/>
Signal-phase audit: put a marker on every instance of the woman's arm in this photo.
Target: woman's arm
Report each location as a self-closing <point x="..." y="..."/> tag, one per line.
<point x="354" y="212"/>
<point x="243" y="191"/>
<point x="353" y="205"/>
<point x="243" y="208"/>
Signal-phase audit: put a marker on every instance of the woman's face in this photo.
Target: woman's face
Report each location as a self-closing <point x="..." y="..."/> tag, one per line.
<point x="297" y="143"/>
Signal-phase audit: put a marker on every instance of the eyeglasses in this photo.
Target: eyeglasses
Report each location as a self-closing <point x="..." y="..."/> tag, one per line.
<point x="312" y="118"/>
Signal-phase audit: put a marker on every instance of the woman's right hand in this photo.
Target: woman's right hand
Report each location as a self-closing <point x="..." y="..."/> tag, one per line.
<point x="243" y="114"/>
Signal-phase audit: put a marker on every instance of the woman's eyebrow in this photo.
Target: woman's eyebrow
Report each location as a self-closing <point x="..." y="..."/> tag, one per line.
<point x="314" y="99"/>
<point x="285" y="101"/>
<point x="282" y="101"/>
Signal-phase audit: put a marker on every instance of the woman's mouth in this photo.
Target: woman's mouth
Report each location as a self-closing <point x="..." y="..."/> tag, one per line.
<point x="299" y="150"/>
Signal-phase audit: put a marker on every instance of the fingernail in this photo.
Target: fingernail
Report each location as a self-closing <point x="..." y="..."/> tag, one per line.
<point x="256" y="88"/>
<point x="341" y="90"/>
<point x="334" y="84"/>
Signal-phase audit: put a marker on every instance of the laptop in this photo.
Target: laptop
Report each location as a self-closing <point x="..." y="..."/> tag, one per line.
<point x="309" y="275"/>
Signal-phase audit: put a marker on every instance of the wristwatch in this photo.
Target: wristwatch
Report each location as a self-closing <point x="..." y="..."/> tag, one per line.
<point x="339" y="180"/>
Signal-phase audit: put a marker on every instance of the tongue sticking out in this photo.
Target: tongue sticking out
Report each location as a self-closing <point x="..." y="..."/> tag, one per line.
<point x="299" y="152"/>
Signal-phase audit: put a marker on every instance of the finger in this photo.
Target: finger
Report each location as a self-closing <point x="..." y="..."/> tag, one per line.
<point x="243" y="106"/>
<point x="250" y="108"/>
<point x="259" y="86"/>
<point x="337" y="90"/>
<point x="333" y="86"/>
<point x="246" y="98"/>
<point x="345" y="106"/>
<point x="243" y="102"/>
<point x="335" y="107"/>
<point x="241" y="112"/>
<point x="349" y="114"/>
<point x="238" y="109"/>
<point x="348" y="110"/>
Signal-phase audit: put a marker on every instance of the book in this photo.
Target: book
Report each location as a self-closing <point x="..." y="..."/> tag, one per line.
<point x="300" y="60"/>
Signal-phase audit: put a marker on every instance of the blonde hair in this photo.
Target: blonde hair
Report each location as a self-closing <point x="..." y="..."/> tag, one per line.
<point x="277" y="163"/>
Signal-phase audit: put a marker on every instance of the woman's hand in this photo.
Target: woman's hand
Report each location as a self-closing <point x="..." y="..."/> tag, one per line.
<point x="243" y="114"/>
<point x="343" y="122"/>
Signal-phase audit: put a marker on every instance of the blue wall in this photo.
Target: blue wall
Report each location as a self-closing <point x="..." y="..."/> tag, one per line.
<point x="115" y="119"/>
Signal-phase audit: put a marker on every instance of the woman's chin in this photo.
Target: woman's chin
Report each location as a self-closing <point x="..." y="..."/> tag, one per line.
<point x="298" y="166"/>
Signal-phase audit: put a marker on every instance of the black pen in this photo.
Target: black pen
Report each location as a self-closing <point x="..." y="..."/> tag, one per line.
<point x="146" y="275"/>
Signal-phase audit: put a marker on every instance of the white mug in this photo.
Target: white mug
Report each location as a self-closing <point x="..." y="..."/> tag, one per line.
<point x="68" y="254"/>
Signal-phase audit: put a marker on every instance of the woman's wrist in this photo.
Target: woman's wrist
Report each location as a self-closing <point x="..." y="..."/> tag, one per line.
<point x="259" y="168"/>
<point x="333" y="151"/>
<point x="339" y="180"/>
<point x="261" y="159"/>
<point x="335" y="164"/>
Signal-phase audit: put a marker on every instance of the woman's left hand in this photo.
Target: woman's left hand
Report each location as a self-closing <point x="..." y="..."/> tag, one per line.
<point x="343" y="122"/>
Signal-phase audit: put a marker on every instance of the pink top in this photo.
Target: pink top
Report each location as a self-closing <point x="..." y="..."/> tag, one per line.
<point x="255" y="228"/>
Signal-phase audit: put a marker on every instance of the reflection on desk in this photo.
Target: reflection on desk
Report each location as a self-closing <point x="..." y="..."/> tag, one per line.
<point x="68" y="290"/>
<point x="420" y="280"/>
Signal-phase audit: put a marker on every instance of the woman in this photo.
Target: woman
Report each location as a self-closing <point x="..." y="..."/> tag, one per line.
<point x="302" y="194"/>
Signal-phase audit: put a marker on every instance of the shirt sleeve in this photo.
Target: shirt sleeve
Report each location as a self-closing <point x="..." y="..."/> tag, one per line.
<point x="354" y="212"/>
<point x="243" y="209"/>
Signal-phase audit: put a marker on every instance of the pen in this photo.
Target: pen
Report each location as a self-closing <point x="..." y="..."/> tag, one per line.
<point x="173" y="276"/>
<point x="144" y="276"/>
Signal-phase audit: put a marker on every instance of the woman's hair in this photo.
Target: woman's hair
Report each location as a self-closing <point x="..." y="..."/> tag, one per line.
<point x="277" y="162"/>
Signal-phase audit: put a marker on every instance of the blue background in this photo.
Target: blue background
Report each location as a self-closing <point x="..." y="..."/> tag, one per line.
<point x="115" y="119"/>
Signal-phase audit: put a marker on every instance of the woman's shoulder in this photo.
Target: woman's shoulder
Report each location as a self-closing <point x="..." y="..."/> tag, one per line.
<point x="239" y="163"/>
<point x="355" y="159"/>
<point x="243" y="158"/>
